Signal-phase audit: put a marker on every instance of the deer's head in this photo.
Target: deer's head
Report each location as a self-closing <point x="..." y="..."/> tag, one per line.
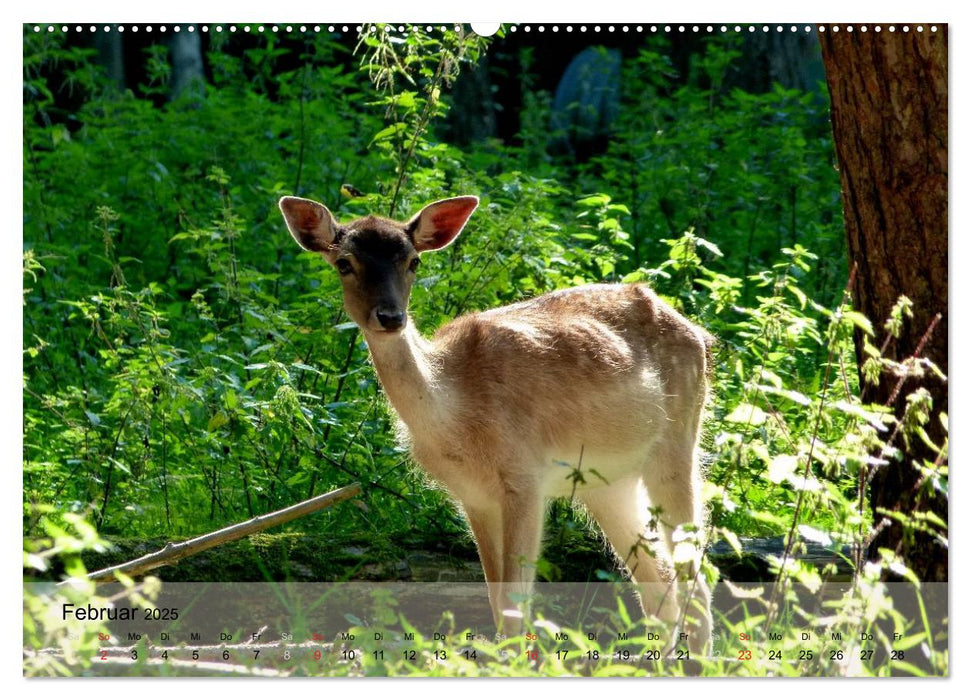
<point x="376" y="258"/>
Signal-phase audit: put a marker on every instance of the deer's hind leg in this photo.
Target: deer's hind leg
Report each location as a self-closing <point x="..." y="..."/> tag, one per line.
<point x="622" y="510"/>
<point x="674" y="487"/>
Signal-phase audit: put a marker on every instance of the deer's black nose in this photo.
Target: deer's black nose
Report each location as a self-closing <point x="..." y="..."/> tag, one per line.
<point x="391" y="320"/>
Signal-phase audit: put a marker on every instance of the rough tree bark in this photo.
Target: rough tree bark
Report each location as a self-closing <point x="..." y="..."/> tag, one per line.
<point x="889" y="112"/>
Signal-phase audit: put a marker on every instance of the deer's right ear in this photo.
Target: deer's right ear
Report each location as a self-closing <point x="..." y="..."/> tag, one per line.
<point x="311" y="224"/>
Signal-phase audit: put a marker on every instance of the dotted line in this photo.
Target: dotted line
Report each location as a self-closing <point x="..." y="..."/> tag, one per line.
<point x="527" y="28"/>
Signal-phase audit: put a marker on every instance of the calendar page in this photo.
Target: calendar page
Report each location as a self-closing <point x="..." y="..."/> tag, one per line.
<point x="522" y="349"/>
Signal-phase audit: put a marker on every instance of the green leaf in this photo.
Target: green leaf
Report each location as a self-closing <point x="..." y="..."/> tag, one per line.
<point x="596" y="200"/>
<point x="792" y="395"/>
<point x="859" y="320"/>
<point x="747" y="413"/>
<point x="388" y="132"/>
<point x="217" y="421"/>
<point x="814" y="535"/>
<point x="732" y="540"/>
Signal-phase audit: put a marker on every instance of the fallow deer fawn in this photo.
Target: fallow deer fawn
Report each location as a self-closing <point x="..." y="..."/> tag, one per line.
<point x="496" y="403"/>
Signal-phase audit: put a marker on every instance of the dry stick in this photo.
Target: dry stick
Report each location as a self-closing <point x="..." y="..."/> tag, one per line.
<point x="896" y="392"/>
<point x="171" y="553"/>
<point x="866" y="476"/>
<point x="917" y="353"/>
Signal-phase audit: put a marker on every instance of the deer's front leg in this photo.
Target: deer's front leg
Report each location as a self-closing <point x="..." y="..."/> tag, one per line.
<point x="522" y="528"/>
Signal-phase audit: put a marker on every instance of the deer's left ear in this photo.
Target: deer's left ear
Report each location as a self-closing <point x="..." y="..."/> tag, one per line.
<point x="440" y="223"/>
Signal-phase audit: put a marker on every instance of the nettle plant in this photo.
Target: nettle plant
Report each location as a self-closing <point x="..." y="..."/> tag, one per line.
<point x="792" y="448"/>
<point x="788" y="425"/>
<point x="172" y="369"/>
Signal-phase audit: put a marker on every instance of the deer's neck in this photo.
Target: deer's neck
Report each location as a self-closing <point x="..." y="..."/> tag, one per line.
<point x="405" y="365"/>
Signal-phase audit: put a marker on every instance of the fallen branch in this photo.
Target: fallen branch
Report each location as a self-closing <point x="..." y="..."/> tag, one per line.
<point x="171" y="552"/>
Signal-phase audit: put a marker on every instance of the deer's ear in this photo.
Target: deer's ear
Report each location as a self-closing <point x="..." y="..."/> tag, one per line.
<point x="311" y="224"/>
<point x="439" y="223"/>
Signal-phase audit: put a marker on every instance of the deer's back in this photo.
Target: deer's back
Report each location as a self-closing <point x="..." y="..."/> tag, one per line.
<point x="605" y="368"/>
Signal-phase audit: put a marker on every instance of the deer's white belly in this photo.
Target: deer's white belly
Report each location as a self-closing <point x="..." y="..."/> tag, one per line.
<point x="564" y="476"/>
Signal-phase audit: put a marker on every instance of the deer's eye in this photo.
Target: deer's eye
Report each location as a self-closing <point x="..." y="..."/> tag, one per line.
<point x="344" y="267"/>
<point x="414" y="264"/>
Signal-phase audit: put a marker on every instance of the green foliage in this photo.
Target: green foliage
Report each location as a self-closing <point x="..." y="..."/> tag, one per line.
<point x="186" y="367"/>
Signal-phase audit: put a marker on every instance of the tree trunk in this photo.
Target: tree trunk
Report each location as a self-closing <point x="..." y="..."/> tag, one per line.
<point x="188" y="76"/>
<point x="889" y="111"/>
<point x="111" y="55"/>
